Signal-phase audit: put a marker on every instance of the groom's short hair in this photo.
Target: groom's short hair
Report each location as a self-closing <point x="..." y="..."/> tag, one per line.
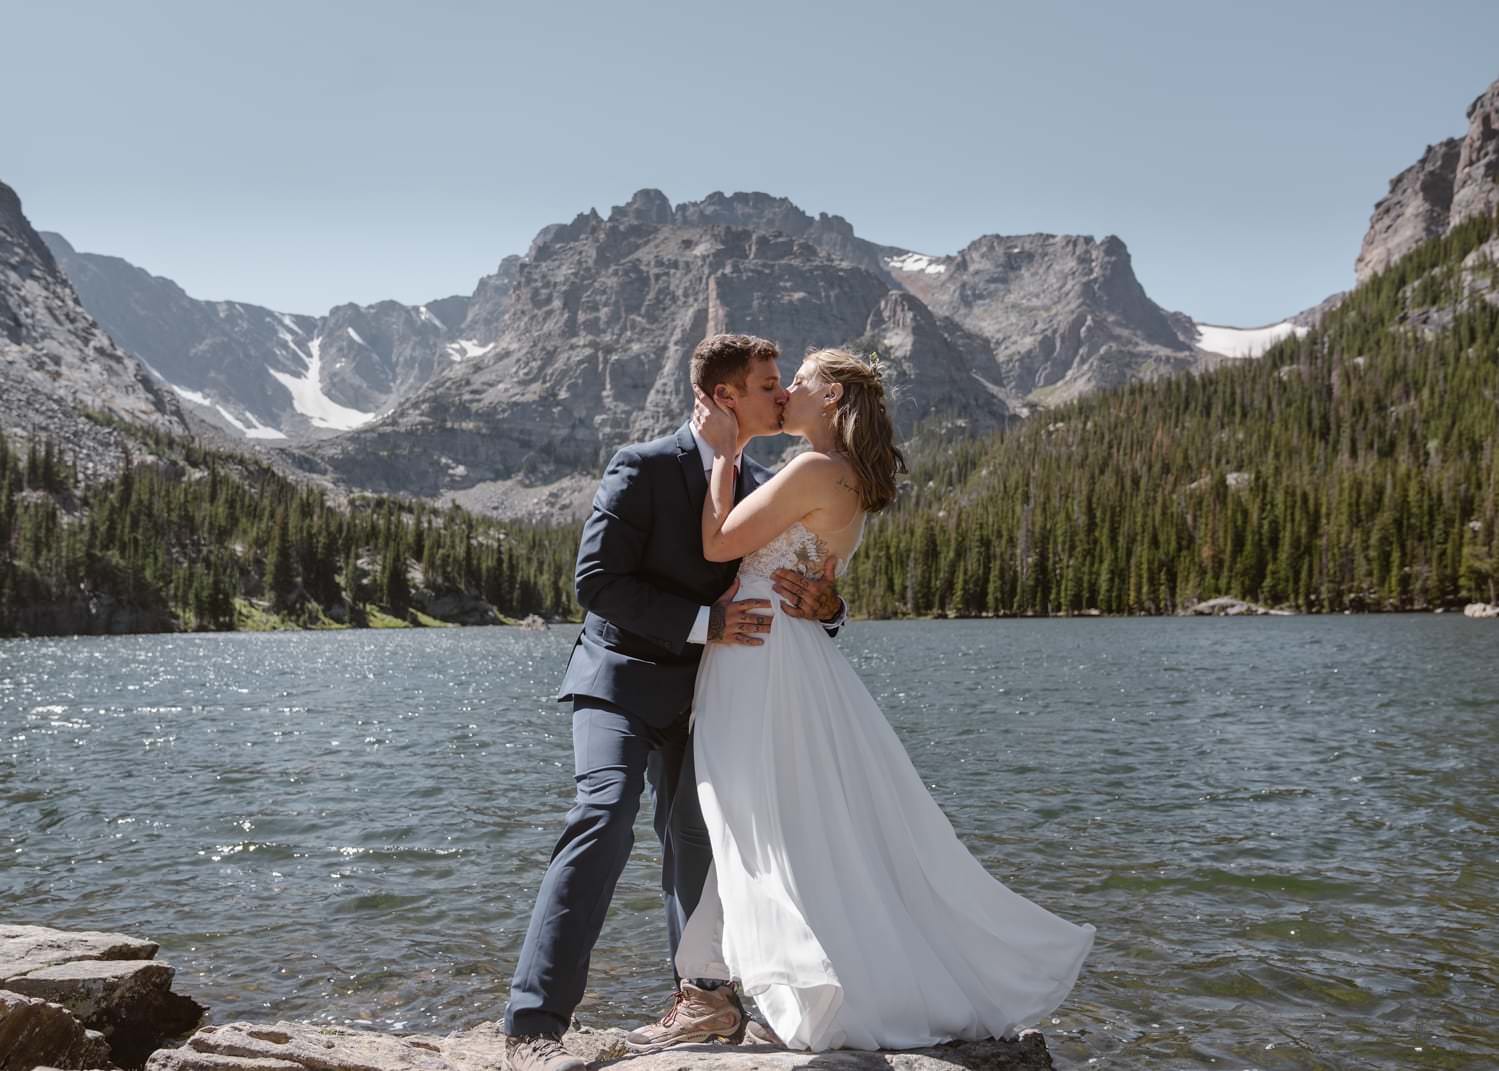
<point x="727" y="359"/>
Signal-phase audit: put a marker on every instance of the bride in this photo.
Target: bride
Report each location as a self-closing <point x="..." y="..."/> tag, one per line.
<point x="840" y="898"/>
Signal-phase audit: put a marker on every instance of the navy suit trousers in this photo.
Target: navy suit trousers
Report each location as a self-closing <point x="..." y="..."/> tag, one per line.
<point x="614" y="754"/>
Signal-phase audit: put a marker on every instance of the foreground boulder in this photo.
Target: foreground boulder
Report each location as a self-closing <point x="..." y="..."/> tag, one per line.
<point x="301" y="1047"/>
<point x="107" y="982"/>
<point x="34" y="1032"/>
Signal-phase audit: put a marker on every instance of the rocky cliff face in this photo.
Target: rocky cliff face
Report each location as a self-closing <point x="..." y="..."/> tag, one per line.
<point x="261" y="374"/>
<point x="1058" y="315"/>
<point x="560" y="356"/>
<point x="484" y="314"/>
<point x="834" y="235"/>
<point x="593" y="350"/>
<point x="1475" y="186"/>
<point x="55" y="360"/>
<point x="585" y="341"/>
<point x="1454" y="180"/>
<point x="1418" y="207"/>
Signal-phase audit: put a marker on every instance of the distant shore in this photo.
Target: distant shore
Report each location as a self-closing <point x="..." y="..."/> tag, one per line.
<point x="260" y="620"/>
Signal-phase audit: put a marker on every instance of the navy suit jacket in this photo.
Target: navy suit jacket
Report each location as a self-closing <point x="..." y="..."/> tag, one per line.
<point x="642" y="579"/>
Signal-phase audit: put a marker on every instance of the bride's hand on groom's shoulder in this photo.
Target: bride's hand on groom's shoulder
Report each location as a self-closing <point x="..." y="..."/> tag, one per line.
<point x="812" y="597"/>
<point x="738" y="622"/>
<point x="715" y="425"/>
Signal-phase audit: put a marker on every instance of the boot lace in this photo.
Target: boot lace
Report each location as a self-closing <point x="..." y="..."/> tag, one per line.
<point x="678" y="998"/>
<point x="541" y="1045"/>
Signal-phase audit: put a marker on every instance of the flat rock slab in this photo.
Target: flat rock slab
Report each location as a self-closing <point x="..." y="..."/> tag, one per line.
<point x="24" y="949"/>
<point x="302" y="1047"/>
<point x="130" y="1002"/>
<point x="92" y="988"/>
<point x="33" y="1032"/>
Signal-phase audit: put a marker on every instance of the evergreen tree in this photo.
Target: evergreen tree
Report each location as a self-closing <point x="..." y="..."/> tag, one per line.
<point x="280" y="581"/>
<point x="394" y="587"/>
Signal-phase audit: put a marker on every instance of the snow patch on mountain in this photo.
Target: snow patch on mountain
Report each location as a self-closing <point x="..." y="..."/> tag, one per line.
<point x="254" y="430"/>
<point x="1244" y="341"/>
<point x="307" y="395"/>
<point x="466" y="348"/>
<point x="288" y="321"/>
<point x="916" y="262"/>
<point x="196" y="397"/>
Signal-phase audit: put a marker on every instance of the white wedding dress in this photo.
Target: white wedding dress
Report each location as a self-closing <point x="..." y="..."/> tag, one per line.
<point x="840" y="898"/>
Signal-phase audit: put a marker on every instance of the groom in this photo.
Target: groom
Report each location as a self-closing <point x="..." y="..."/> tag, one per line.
<point x="652" y="602"/>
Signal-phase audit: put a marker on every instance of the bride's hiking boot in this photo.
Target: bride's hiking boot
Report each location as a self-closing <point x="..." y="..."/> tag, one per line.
<point x="758" y="1033"/>
<point x="540" y="1052"/>
<point x="696" y="1016"/>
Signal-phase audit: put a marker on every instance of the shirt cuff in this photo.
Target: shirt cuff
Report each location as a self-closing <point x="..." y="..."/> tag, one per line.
<point x="699" y="633"/>
<point x="840" y="619"/>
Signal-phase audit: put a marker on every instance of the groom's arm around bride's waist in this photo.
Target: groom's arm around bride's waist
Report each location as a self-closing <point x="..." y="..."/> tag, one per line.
<point x="612" y="576"/>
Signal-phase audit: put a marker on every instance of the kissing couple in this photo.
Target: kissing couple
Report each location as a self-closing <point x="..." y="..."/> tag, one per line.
<point x="804" y="863"/>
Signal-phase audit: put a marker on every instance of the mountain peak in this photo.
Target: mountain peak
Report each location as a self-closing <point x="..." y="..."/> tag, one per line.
<point x="1476" y="183"/>
<point x="646" y="206"/>
<point x="756" y="210"/>
<point x="1455" y="179"/>
<point x="56" y="363"/>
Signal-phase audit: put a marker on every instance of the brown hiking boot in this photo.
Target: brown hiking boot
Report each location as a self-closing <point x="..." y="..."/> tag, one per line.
<point x="758" y="1033"/>
<point x="695" y="1016"/>
<point x="540" y="1052"/>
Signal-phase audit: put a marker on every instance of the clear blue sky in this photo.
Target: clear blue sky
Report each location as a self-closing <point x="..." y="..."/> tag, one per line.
<point x="299" y="155"/>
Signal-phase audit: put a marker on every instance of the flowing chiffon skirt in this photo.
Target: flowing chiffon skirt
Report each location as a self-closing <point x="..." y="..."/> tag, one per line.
<point x="840" y="897"/>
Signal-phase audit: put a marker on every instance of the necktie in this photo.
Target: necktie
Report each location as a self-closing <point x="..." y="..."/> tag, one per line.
<point x="737" y="496"/>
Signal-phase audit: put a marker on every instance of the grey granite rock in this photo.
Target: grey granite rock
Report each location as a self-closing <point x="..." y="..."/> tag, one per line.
<point x="299" y="1047"/>
<point x="1225" y="606"/>
<point x="230" y="362"/>
<point x="1417" y="207"/>
<point x="1476" y="181"/>
<point x="763" y="212"/>
<point x="1314" y="316"/>
<point x="485" y="311"/>
<point x="926" y="370"/>
<point x="599" y="319"/>
<point x="1061" y="314"/>
<point x="56" y="362"/>
<point x="129" y="1002"/>
<point x="108" y="982"/>
<point x="594" y="348"/>
<point x="504" y="399"/>
<point x="35" y="1032"/>
<point x="30" y="948"/>
<point x="1454" y="180"/>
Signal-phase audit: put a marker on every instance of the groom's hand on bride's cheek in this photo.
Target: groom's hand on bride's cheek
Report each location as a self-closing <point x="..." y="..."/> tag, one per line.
<point x="812" y="597"/>
<point x="738" y="622"/>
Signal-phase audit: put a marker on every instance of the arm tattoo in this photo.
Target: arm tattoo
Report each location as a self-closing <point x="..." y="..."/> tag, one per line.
<point x="716" y="614"/>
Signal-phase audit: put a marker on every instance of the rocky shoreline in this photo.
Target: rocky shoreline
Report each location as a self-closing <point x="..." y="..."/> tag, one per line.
<point x="90" y="1001"/>
<point x="85" y="999"/>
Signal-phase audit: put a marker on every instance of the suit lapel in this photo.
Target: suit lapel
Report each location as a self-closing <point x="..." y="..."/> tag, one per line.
<point x="692" y="467"/>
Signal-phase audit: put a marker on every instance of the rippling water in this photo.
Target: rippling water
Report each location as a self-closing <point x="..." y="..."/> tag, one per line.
<point x="1285" y="830"/>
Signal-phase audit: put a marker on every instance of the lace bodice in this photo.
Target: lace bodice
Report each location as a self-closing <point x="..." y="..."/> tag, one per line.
<point x="798" y="547"/>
